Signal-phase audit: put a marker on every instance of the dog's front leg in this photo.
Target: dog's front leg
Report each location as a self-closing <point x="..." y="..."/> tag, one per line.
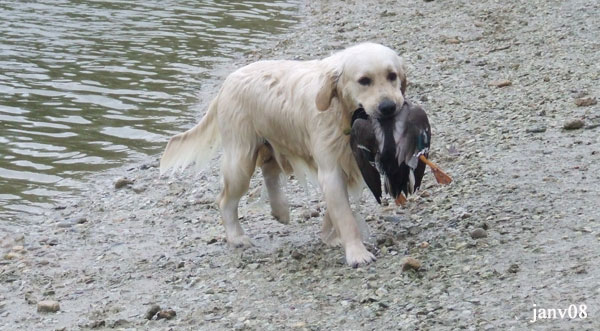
<point x="334" y="187"/>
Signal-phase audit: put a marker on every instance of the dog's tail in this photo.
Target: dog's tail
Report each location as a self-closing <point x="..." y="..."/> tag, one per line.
<point x="197" y="145"/>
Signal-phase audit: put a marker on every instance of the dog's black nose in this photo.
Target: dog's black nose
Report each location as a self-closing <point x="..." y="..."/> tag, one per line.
<point x="387" y="107"/>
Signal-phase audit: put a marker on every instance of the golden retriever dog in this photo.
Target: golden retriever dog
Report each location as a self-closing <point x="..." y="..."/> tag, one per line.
<point x="293" y="116"/>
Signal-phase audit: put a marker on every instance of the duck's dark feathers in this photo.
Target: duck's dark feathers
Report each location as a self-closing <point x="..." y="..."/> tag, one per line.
<point x="393" y="145"/>
<point x="364" y="147"/>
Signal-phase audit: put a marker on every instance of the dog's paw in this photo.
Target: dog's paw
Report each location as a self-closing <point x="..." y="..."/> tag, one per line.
<point x="282" y="216"/>
<point x="240" y="242"/>
<point x="357" y="255"/>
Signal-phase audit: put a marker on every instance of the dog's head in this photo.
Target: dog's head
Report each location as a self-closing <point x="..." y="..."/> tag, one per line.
<point x="368" y="76"/>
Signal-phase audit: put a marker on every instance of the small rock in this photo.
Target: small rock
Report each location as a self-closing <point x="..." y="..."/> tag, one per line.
<point x="48" y="306"/>
<point x="584" y="102"/>
<point x="536" y="129"/>
<point x="64" y="224"/>
<point x="166" y="314"/>
<point x="574" y="124"/>
<point x="514" y="268"/>
<point x="424" y="244"/>
<point x="478" y="233"/>
<point x="314" y="213"/>
<point x="413" y="230"/>
<point x="11" y="256"/>
<point x="138" y="189"/>
<point x="151" y="312"/>
<point x="382" y="291"/>
<point x="592" y="126"/>
<point x="211" y="241"/>
<point x="297" y="255"/>
<point x="386" y="13"/>
<point x="410" y="263"/>
<point x="180" y="264"/>
<point x="97" y="324"/>
<point x="385" y="241"/>
<point x="18" y="248"/>
<point x="500" y="83"/>
<point x="81" y="220"/>
<point x="392" y="219"/>
<point x="122" y="182"/>
<point x="452" y="41"/>
<point x="306" y="214"/>
<point x="120" y="323"/>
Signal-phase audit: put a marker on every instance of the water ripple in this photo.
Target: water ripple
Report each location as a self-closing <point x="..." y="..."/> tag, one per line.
<point x="85" y="86"/>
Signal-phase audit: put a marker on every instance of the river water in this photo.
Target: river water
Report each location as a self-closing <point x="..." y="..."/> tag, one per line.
<point x="90" y="85"/>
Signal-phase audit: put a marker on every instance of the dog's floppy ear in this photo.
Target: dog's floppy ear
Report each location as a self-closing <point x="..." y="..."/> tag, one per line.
<point x="327" y="91"/>
<point x="403" y="83"/>
<point x="402" y="76"/>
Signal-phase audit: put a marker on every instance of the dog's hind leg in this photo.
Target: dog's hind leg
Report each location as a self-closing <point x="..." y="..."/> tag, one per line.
<point x="272" y="173"/>
<point x="238" y="166"/>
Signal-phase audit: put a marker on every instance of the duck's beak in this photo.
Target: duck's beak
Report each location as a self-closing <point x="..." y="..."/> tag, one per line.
<point x="440" y="176"/>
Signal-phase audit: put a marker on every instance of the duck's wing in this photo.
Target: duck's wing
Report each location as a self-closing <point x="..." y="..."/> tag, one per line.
<point x="418" y="140"/>
<point x="364" y="147"/>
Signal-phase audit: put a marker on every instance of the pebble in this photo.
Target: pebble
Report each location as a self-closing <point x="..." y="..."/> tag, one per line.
<point x="410" y="263"/>
<point x="478" y="233"/>
<point x="536" y="129"/>
<point x="120" y="323"/>
<point x="139" y="189"/>
<point x="152" y="311"/>
<point x="166" y="314"/>
<point x="500" y="83"/>
<point x="296" y="255"/>
<point x="574" y="124"/>
<point x="64" y="224"/>
<point x="11" y="256"/>
<point x="80" y="220"/>
<point x="452" y="41"/>
<point x="17" y="248"/>
<point x="392" y="219"/>
<point x="584" y="102"/>
<point x="97" y="324"/>
<point x="306" y="214"/>
<point x="48" y="306"/>
<point x="122" y="182"/>
<point x="514" y="268"/>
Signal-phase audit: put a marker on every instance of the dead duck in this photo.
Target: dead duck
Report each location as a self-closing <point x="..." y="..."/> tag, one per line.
<point x="365" y="147"/>
<point x="395" y="144"/>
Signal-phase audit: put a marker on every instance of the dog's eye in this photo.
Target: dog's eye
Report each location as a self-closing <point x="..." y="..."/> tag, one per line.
<point x="365" y="81"/>
<point x="392" y="76"/>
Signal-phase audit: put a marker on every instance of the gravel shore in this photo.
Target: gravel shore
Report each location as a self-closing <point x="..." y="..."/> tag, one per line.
<point x="510" y="88"/>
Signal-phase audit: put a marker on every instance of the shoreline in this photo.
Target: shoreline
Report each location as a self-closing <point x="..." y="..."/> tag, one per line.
<point x="112" y="254"/>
